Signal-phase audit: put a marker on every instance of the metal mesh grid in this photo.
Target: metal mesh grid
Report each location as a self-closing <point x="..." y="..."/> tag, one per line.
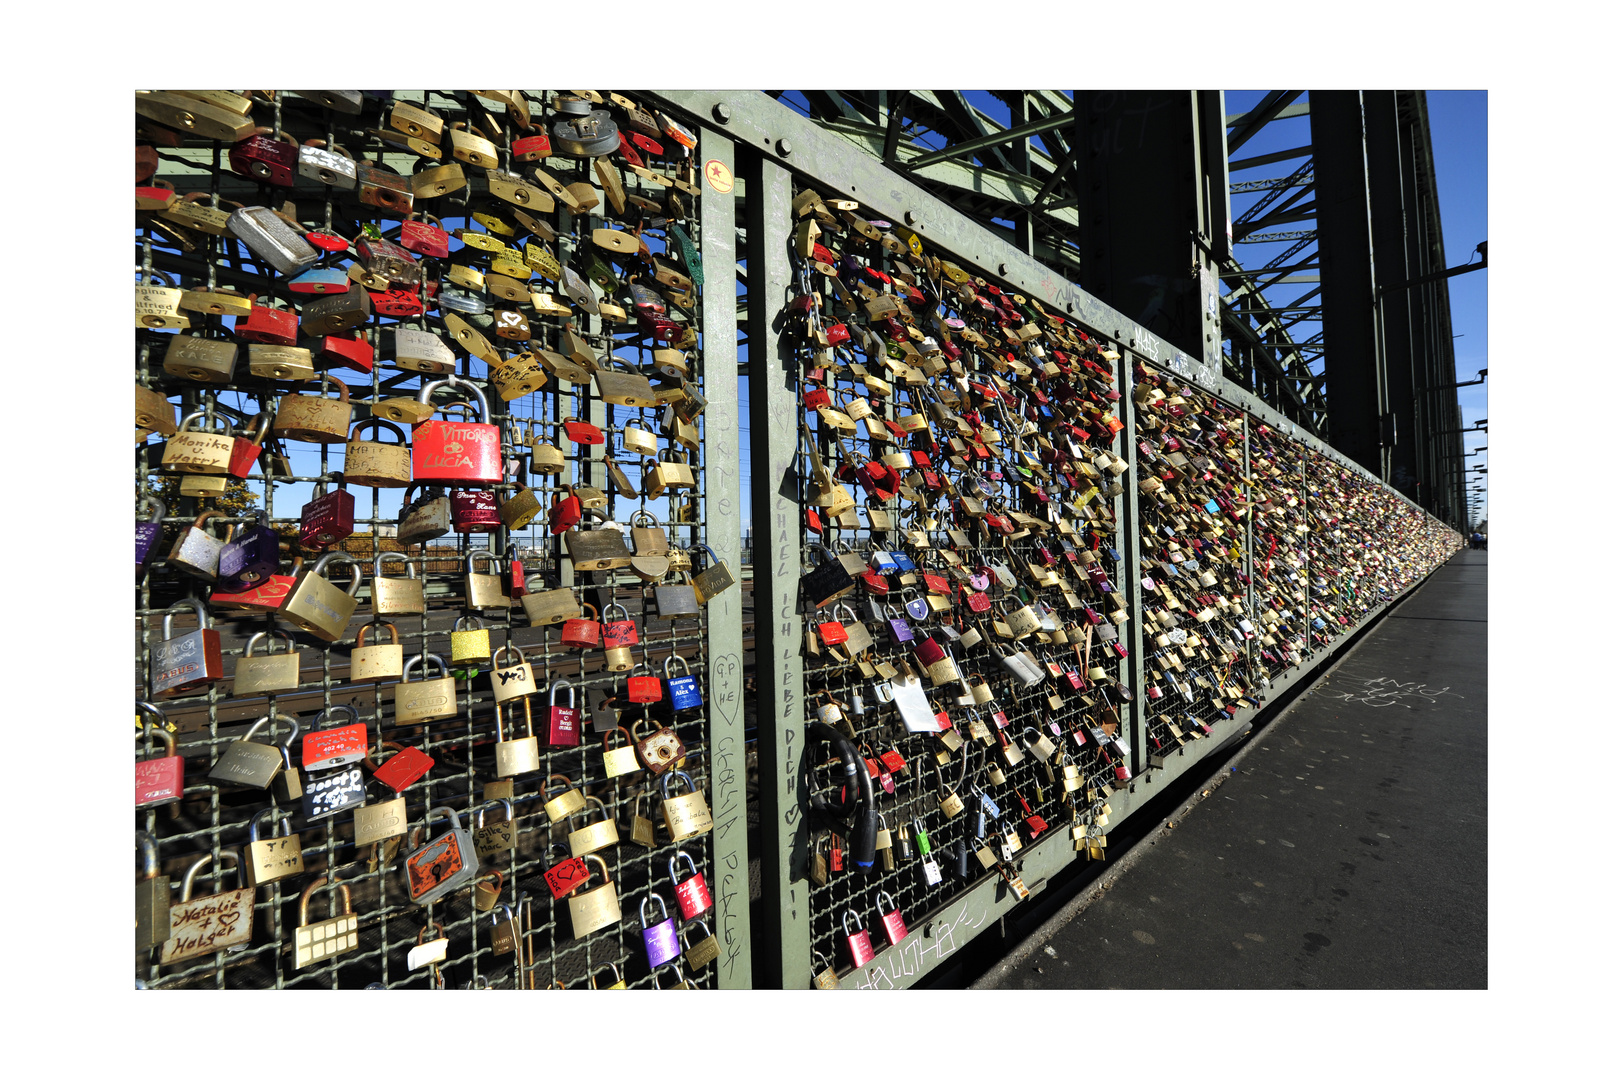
<point x="1052" y="709"/>
<point x="210" y="818"/>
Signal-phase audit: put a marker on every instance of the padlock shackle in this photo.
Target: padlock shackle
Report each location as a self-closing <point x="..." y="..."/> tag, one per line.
<point x="405" y="670"/>
<point x="505" y="650"/>
<point x="552" y="693"/>
<point x="354" y="716"/>
<point x="193" y="870"/>
<point x="167" y="739"/>
<point x="286" y="822"/>
<point x="692" y="866"/>
<point x="148" y="847"/>
<point x="377" y="564"/>
<point x="483" y="554"/>
<point x="343" y="893"/>
<point x="642" y="910"/>
<point x="674" y="656"/>
<point x="160" y="508"/>
<point x="216" y="420"/>
<point x="340" y="558"/>
<point x="455" y="382"/>
<point x="197" y="608"/>
<point x="364" y="632"/>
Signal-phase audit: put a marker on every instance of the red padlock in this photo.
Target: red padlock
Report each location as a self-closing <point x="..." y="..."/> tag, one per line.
<point x="397" y="302"/>
<point x="815" y="398"/>
<point x="579" y="431"/>
<point x="928" y="651"/>
<point x="857" y="941"/>
<point x="423" y="238"/>
<point x="582" y="633"/>
<point x="565" y="877"/>
<point x="832" y="633"/>
<point x="563" y="721"/>
<point x="328" y="517"/>
<point x="644" y="689"/>
<point x="620" y="633"/>
<point x="937" y="584"/>
<point x="457" y="451"/>
<point x="403" y="769"/>
<point x="474" y="511"/>
<point x="244" y="452"/>
<point x="159" y="780"/>
<point x="692" y="895"/>
<point x="351" y="352"/>
<point x="269" y="326"/>
<point x="875" y="582"/>
<point x="977" y="602"/>
<point x="626" y="151"/>
<point x="836" y="854"/>
<point x="515" y="578"/>
<point x="335" y="746"/>
<point x="268" y="595"/>
<point x="895" y="928"/>
<point x="532" y="147"/>
<point x="262" y="156"/>
<point x="564" y="513"/>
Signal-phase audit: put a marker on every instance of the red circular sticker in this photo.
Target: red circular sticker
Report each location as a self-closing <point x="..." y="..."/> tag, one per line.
<point x="719" y="176"/>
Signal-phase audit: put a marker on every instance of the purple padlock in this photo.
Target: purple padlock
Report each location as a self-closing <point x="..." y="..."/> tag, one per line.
<point x="900" y="632"/>
<point x="659" y="941"/>
<point x="252" y="558"/>
<point x="147" y="532"/>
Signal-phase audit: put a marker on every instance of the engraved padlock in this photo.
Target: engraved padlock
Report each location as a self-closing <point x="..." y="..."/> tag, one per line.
<point x="595" y="908"/>
<point x="595" y="835"/>
<point x="686" y="816"/>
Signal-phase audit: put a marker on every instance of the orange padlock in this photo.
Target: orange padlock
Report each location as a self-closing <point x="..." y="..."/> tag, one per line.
<point x="582" y="633"/>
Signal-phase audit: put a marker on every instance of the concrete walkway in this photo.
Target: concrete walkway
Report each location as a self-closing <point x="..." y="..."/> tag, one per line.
<point x="1347" y="850"/>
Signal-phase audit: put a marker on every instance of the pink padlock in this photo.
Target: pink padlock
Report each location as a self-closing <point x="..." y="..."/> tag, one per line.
<point x="895" y="928"/>
<point x="692" y="895"/>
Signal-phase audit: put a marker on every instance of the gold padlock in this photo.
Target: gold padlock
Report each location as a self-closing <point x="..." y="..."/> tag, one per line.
<point x="642" y="826"/>
<point x="471" y="148"/>
<point x="392" y="595"/>
<point x="157" y="307"/>
<point x="621" y="760"/>
<point x="517" y="756"/>
<point x="376" y="663"/>
<point x="686" y="816"/>
<point x="483" y="591"/>
<point x="199" y="451"/>
<point x="471" y="645"/>
<point x="596" y="835"/>
<point x="561" y="806"/>
<point x="514" y="680"/>
<point x="427" y="699"/>
<point x="597" y="907"/>
<point x="713" y="579"/>
<point x="265" y="674"/>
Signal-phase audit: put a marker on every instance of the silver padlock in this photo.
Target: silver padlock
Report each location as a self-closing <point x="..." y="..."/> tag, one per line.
<point x="271" y="238"/>
<point x="336" y="169"/>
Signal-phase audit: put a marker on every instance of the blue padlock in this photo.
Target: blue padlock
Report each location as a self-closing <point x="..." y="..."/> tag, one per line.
<point x="252" y="558"/>
<point x="918" y="607"/>
<point x="882" y="562"/>
<point x="684" y="688"/>
<point x="903" y="563"/>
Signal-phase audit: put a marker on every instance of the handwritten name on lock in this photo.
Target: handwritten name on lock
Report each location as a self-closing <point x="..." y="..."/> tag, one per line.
<point x="452" y="454"/>
<point x="335" y="791"/>
<point x="205" y="925"/>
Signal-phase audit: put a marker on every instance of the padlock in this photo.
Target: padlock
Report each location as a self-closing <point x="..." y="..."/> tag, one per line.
<point x="517" y="513"/>
<point x="686" y="816"/>
<point x="189" y="662"/>
<point x="247" y="763"/>
<point x="484" y="590"/>
<point x="516" y="756"/>
<point x="856" y="940"/>
<point x="560" y="807"/>
<point x="329" y="516"/>
<point x="917" y="608"/>
<point x="596" y="835"/>
<point x="701" y="952"/>
<point x="602" y="548"/>
<point x="276" y="242"/>
<point x="563" y="722"/>
<point x="499" y="836"/>
<point x="511" y="680"/>
<point x="897" y="626"/>
<point x="550" y="606"/>
<point x="223" y="922"/>
<point x="1042" y="746"/>
<point x="199" y="451"/>
<point x="425" y="700"/>
<point x="275" y="857"/>
<point x="618" y="637"/>
<point x="265" y="156"/>
<point x="381" y="187"/>
<point x="336" y="746"/>
<point x="827" y="582"/>
<point x="620" y="760"/>
<point x="643" y="689"/>
<point x="404" y="768"/>
<point x="377" y="464"/>
<point x="951" y="803"/>
<point x="692" y="894"/>
<point x="151" y="896"/>
<point x="582" y="633"/>
<point x="266" y="674"/>
<point x="547" y="460"/>
<point x="470" y="645"/>
<point x="487" y="887"/>
<point x="196" y="551"/>
<point x="713" y="579"/>
<point x="160" y="780"/>
<point x="660" y="941"/>
<point x="639" y="440"/>
<point x="444" y="863"/>
<point x="318" y="606"/>
<point x="642" y="826"/>
<point x="474" y="511"/>
<point x="419" y="350"/>
<point x="595" y="908"/>
<point x="676" y="601"/>
<point x="396" y="596"/>
<point x="684" y="688"/>
<point x="467" y="147"/>
<point x="312" y="418"/>
<point x="467" y="453"/>
<point x="157" y="307"/>
<point x="895" y="928"/>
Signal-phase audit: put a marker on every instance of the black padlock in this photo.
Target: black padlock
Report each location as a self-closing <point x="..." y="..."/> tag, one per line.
<point x="828" y="582"/>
